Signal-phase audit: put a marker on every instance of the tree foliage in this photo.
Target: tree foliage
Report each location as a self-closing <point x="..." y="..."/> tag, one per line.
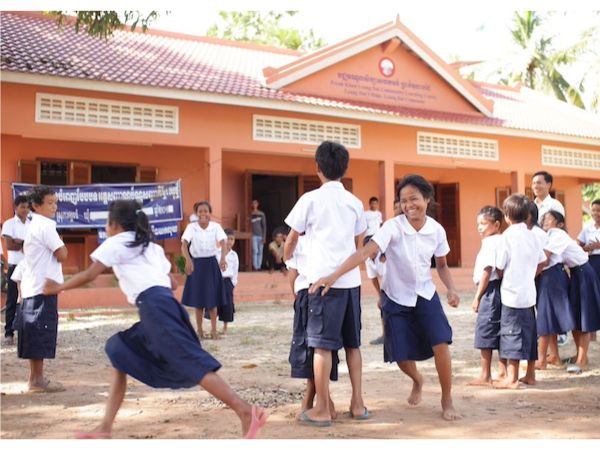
<point x="264" y="28"/>
<point x="104" y="23"/>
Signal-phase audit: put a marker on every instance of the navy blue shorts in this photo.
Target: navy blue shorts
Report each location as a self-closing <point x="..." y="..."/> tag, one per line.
<point x="37" y="327"/>
<point x="204" y="287"/>
<point x="487" y="326"/>
<point x="301" y="355"/>
<point x="334" y="319"/>
<point x="584" y="295"/>
<point x="518" y="335"/>
<point x="162" y="350"/>
<point x="554" y="310"/>
<point x="227" y="309"/>
<point x="411" y="332"/>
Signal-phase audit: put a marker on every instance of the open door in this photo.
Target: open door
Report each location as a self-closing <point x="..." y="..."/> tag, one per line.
<point x="448" y="215"/>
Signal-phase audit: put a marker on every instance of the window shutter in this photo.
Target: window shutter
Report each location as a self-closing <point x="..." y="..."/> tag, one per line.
<point x="147" y="175"/>
<point x="28" y="172"/>
<point x="80" y="173"/>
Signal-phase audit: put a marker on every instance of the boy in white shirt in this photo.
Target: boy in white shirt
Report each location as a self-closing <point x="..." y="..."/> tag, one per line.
<point x="332" y="219"/>
<point x="230" y="278"/>
<point x="589" y="238"/>
<point x="520" y="257"/>
<point x="13" y="232"/>
<point x="373" y="217"/>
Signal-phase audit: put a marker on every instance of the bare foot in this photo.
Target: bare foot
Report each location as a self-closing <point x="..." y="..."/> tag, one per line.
<point x="332" y="410"/>
<point x="448" y="411"/>
<point x="528" y="380"/>
<point x="505" y="384"/>
<point x="554" y="361"/>
<point x="252" y="421"/>
<point x="487" y="382"/>
<point x="539" y="365"/>
<point x="415" y="395"/>
<point x="312" y="414"/>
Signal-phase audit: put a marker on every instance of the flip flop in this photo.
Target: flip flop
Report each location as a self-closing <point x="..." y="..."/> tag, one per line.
<point x="312" y="422"/>
<point x="569" y="360"/>
<point x="92" y="435"/>
<point x="366" y="415"/>
<point x="576" y="370"/>
<point x="50" y="387"/>
<point x="256" y="424"/>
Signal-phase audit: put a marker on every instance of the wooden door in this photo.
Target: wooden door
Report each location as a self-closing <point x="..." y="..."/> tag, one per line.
<point x="80" y="173"/>
<point x="29" y="172"/>
<point x="448" y="214"/>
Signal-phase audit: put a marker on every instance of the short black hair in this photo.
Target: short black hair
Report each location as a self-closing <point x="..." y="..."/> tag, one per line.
<point x="491" y="213"/>
<point x="373" y="199"/>
<point x="229" y="232"/>
<point x="199" y="204"/>
<point x="517" y="207"/>
<point x="131" y="217"/>
<point x="419" y="182"/>
<point x="533" y="213"/>
<point x="596" y="202"/>
<point x="37" y="194"/>
<point x="546" y="175"/>
<point x="20" y="199"/>
<point x="332" y="159"/>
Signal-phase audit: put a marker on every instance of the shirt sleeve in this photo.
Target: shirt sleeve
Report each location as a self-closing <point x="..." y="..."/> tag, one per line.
<point x="235" y="268"/>
<point x="108" y="254"/>
<point x="7" y="228"/>
<point x="582" y="236"/>
<point x="220" y="233"/>
<point x="52" y="239"/>
<point x="502" y="254"/>
<point x="488" y="254"/>
<point x="17" y="274"/>
<point x="371" y="267"/>
<point x="361" y="221"/>
<point x="298" y="216"/>
<point x="187" y="233"/>
<point x="557" y="242"/>
<point x="383" y="236"/>
<point x="442" y="248"/>
<point x="165" y="264"/>
<point x="379" y="217"/>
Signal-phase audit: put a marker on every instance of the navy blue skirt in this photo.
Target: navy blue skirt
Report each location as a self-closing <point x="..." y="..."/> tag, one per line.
<point x="162" y="350"/>
<point x="595" y="263"/>
<point x="204" y="287"/>
<point x="518" y="334"/>
<point x="585" y="298"/>
<point x="411" y="332"/>
<point x="301" y="355"/>
<point x="37" y="327"/>
<point x="487" y="326"/>
<point x="554" y="311"/>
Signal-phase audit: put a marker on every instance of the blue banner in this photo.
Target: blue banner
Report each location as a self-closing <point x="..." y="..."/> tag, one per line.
<point x="86" y="205"/>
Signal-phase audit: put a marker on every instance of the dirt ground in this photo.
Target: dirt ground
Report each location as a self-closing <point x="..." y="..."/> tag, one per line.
<point x="254" y="358"/>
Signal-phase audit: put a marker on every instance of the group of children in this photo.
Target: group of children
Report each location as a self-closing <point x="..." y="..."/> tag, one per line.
<point x="164" y="350"/>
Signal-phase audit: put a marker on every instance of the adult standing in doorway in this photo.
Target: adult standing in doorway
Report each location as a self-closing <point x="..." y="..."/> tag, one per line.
<point x="258" y="220"/>
<point x="541" y="185"/>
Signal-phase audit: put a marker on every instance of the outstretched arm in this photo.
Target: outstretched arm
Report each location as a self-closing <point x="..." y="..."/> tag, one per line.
<point x="91" y="273"/>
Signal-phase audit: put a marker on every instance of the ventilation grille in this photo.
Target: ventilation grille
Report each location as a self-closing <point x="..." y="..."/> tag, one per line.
<point x="290" y="130"/>
<point x="457" y="146"/>
<point x="96" y="112"/>
<point x="570" y="157"/>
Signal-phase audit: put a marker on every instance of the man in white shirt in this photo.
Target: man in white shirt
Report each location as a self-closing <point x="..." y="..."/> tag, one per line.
<point x="13" y="231"/>
<point x="541" y="185"/>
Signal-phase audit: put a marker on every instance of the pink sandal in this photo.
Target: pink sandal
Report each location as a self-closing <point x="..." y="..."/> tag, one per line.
<point x="256" y="424"/>
<point x="92" y="435"/>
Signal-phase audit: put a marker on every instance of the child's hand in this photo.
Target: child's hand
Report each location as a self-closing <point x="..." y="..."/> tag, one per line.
<point x="223" y="265"/>
<point x="51" y="287"/>
<point x="379" y="302"/>
<point x="189" y="267"/>
<point x="475" y="305"/>
<point x="453" y="299"/>
<point x="325" y="283"/>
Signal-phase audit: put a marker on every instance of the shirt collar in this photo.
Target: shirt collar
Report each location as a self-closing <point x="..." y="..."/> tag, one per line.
<point x="547" y="201"/>
<point x="407" y="228"/>
<point x="27" y="219"/>
<point x="39" y="217"/>
<point x="332" y="184"/>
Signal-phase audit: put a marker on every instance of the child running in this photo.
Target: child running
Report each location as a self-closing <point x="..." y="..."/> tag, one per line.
<point x="37" y="325"/>
<point x="226" y="311"/>
<point x="162" y="350"/>
<point x="520" y="258"/>
<point x="487" y="303"/>
<point x="584" y="290"/>
<point x="204" y="283"/>
<point x="415" y="327"/>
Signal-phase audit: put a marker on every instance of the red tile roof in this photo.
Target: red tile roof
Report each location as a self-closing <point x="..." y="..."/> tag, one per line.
<point x="33" y="44"/>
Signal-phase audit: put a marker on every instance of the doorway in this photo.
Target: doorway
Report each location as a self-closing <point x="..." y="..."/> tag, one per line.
<point x="447" y="213"/>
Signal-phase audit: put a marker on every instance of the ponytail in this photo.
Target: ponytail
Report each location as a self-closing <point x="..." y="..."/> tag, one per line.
<point x="129" y="215"/>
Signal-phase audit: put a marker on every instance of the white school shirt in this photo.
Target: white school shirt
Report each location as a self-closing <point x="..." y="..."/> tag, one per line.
<point x="487" y="258"/>
<point x="203" y="241"/>
<point x="137" y="268"/>
<point x="17" y="274"/>
<point x="193" y="218"/>
<point x="375" y="268"/>
<point x="331" y="217"/>
<point x="408" y="255"/>
<point x="41" y="241"/>
<point x="15" y="229"/>
<point x="298" y="262"/>
<point x="548" y="204"/>
<point x="374" y="220"/>
<point x="233" y="265"/>
<point x="518" y="256"/>
<point x="569" y="251"/>
<point x="589" y="234"/>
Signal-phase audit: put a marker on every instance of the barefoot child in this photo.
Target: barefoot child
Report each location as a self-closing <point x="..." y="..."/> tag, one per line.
<point x="301" y="355"/>
<point x="38" y="325"/>
<point x="487" y="302"/>
<point x="584" y="290"/>
<point x="226" y="311"/>
<point x="332" y="219"/>
<point x="204" y="283"/>
<point x="520" y="257"/>
<point x="415" y="325"/>
<point x="162" y="349"/>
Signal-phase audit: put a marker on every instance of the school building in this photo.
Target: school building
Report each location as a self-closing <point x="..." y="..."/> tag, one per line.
<point x="236" y="121"/>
